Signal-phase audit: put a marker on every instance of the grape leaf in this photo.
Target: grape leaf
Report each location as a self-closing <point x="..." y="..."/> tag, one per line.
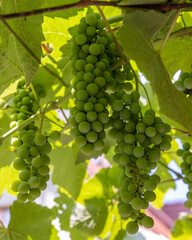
<point x="66" y="174"/>
<point x="135" y="36"/>
<point x="8" y="175"/>
<point x="182" y="229"/>
<point x="28" y="221"/>
<point x="30" y="32"/>
<point x="162" y="188"/>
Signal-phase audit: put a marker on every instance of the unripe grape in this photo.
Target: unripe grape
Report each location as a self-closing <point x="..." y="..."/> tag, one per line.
<point x="99" y="145"/>
<point x="150" y="196"/>
<point x="91" y="19"/>
<point x="46" y="148"/>
<point x="43" y="170"/>
<point x="92" y="89"/>
<point x="125" y="210"/>
<point x="35" y="193"/>
<point x="150" y="185"/>
<point x="23" y="152"/>
<point x="19" y="164"/>
<point x="40" y="139"/>
<point x="23" y="188"/>
<point x="34" y="182"/>
<point x="138" y="152"/>
<point x="24" y="175"/>
<point x="147" y="222"/>
<point x="117" y="105"/>
<point x="186" y="146"/>
<point x="55" y="135"/>
<point x="81" y="141"/>
<point x="137" y="203"/>
<point x="132" y="227"/>
<point x="87" y="149"/>
<point x="91" y="136"/>
<point x="22" y="197"/>
<point x="95" y="49"/>
<point x="15" y="185"/>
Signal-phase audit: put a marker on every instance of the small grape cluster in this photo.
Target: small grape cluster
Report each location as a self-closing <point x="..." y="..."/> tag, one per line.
<point x="32" y="148"/>
<point x="23" y="105"/>
<point x="140" y="141"/>
<point x="186" y="167"/>
<point x="184" y="84"/>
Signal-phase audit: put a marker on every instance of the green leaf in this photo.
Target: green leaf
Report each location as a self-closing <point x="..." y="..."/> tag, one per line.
<point x="135" y="35"/>
<point x="29" y="31"/>
<point x="54" y="235"/>
<point x="176" y="55"/>
<point x="182" y="229"/>
<point x="8" y="175"/>
<point x="66" y="174"/>
<point x="28" y="221"/>
<point x="162" y="188"/>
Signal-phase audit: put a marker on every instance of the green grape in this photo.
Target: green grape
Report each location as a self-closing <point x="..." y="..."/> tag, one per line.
<point x="140" y="137"/>
<point x="91" y="116"/>
<point x="23" y="188"/>
<point x="91" y="19"/>
<point x="137" y="203"/>
<point x="55" y="135"/>
<point x="187" y="83"/>
<point x="117" y="105"/>
<point x="125" y="210"/>
<point x="103" y="117"/>
<point x="27" y="138"/>
<point x="179" y="85"/>
<point x="148" y="119"/>
<point x="95" y="49"/>
<point x="155" y="178"/>
<point x="19" y="164"/>
<point x="132" y="227"/>
<point x="150" y="185"/>
<point x="24" y="175"/>
<point x="34" y="151"/>
<point x="34" y="182"/>
<point x="81" y="39"/>
<point x="127" y="197"/>
<point x="100" y="81"/>
<point x="125" y="114"/>
<point x="124" y="159"/>
<point x="132" y="188"/>
<point x="16" y="142"/>
<point x="23" y="152"/>
<point x="154" y="156"/>
<point x="186" y="146"/>
<point x="35" y="193"/>
<point x="91" y="30"/>
<point x="135" y="108"/>
<point x="141" y="163"/>
<point x="43" y="185"/>
<point x="149" y="196"/>
<point x="84" y="127"/>
<point x="138" y="152"/>
<point x="22" y="197"/>
<point x="45" y="159"/>
<point x="87" y="149"/>
<point x="81" y="141"/>
<point x="165" y="145"/>
<point x="98" y="108"/>
<point x="82" y="95"/>
<point x="46" y="148"/>
<point x="97" y="126"/>
<point x="92" y="89"/>
<point x="26" y="100"/>
<point x="99" y="145"/>
<point x="129" y="138"/>
<point x="157" y="139"/>
<point x="37" y="162"/>
<point x="88" y="107"/>
<point x="91" y="136"/>
<point x="127" y="99"/>
<point x="130" y="127"/>
<point x="75" y="132"/>
<point x="80" y="117"/>
<point x="128" y="149"/>
<point x="43" y="170"/>
<point x="150" y="131"/>
<point x="40" y="139"/>
<point x="15" y="185"/>
<point x="147" y="222"/>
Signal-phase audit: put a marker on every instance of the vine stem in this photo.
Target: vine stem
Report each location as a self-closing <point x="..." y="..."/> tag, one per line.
<point x="170" y="180"/>
<point x="110" y="30"/>
<point x="52" y="106"/>
<point x="33" y="54"/>
<point x="85" y="3"/>
<point x="42" y="119"/>
<point x="63" y="113"/>
<point x="34" y="92"/>
<point x="182" y="131"/>
<point x="170" y="169"/>
<point x="146" y="94"/>
<point x="170" y="30"/>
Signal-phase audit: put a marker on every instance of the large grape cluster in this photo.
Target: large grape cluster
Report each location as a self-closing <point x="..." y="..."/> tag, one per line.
<point x="186" y="167"/>
<point x="94" y="53"/>
<point x="184" y="84"/>
<point x="140" y="140"/>
<point x="31" y="147"/>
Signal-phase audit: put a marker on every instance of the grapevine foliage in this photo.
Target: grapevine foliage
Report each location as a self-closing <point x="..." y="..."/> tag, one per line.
<point x="85" y="100"/>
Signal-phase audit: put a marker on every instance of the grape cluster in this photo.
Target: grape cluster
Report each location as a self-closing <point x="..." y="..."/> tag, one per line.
<point x="184" y="84"/>
<point x="140" y="141"/>
<point x="32" y="148"/>
<point x="94" y="53"/>
<point x="186" y="167"/>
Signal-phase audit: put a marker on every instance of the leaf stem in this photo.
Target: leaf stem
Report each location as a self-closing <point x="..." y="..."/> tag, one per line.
<point x="180" y="33"/>
<point x="41" y="124"/>
<point x="110" y="30"/>
<point x="170" y="180"/>
<point x="52" y="106"/>
<point x="147" y="95"/>
<point x="63" y="113"/>
<point x="170" y="169"/>
<point x="33" y="54"/>
<point x="182" y="131"/>
<point x="34" y="92"/>
<point x="169" y="31"/>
